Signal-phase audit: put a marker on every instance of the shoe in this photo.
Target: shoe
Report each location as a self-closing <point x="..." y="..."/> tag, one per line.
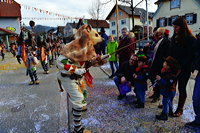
<point x="178" y="113"/>
<point x="83" y="130"/>
<point x="171" y="114"/>
<point x="37" y="82"/>
<point x="192" y="124"/>
<point x="135" y="102"/>
<point x="160" y="106"/>
<point x="140" y="105"/>
<point x="155" y="100"/>
<point x="111" y="76"/>
<point x="162" y="116"/>
<point x="151" y="97"/>
<point x="46" y="72"/>
<point x="31" y="83"/>
<point x="84" y="108"/>
<point x="120" y="97"/>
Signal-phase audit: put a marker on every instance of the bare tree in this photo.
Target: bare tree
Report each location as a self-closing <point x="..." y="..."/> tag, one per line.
<point x="96" y="10"/>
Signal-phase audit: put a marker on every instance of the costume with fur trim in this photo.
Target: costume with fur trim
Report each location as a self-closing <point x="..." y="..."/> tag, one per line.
<point x="26" y="52"/>
<point x="72" y="67"/>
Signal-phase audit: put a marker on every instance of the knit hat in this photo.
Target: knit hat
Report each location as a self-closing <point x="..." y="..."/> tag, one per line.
<point x="142" y="58"/>
<point x="179" y="21"/>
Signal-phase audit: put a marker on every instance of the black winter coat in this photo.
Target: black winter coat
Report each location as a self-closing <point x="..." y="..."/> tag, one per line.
<point x="196" y="63"/>
<point x="162" y="52"/>
<point x="184" y="53"/>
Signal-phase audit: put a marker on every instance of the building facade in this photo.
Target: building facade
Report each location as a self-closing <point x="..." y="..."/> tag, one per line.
<point x="169" y="10"/>
<point x="125" y="19"/>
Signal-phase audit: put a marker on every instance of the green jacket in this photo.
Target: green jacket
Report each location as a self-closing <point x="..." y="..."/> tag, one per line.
<point x="111" y="47"/>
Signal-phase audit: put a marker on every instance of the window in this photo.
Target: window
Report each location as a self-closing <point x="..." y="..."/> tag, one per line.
<point x="174" y="18"/>
<point x="112" y="23"/>
<point x="175" y="4"/>
<point x="162" y="22"/>
<point x="189" y="18"/>
<point x="115" y="14"/>
<point x="123" y="21"/>
<point x="113" y="32"/>
<point x="120" y="13"/>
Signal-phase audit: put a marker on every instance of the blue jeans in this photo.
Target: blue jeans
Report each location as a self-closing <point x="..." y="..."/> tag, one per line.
<point x="117" y="82"/>
<point x="140" y="92"/>
<point x="112" y="67"/>
<point x="196" y="98"/>
<point x="167" y="104"/>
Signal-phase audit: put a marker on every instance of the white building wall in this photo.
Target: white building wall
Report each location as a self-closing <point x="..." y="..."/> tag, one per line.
<point x="187" y="6"/>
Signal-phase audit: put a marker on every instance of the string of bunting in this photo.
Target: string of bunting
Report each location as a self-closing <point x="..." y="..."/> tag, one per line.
<point x="29" y="18"/>
<point x="27" y="7"/>
<point x="7" y="1"/>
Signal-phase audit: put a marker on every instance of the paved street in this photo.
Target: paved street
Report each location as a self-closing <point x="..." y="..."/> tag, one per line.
<point x="42" y="108"/>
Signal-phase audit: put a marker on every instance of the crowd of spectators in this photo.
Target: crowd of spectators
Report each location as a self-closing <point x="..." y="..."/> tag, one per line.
<point x="166" y="62"/>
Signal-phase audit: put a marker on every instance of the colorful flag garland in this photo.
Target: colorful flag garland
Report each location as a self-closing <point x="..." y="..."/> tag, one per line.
<point x="47" y="12"/>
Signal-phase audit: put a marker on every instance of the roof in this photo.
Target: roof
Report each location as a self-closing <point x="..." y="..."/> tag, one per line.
<point x="6" y="32"/>
<point x="158" y="1"/>
<point x="73" y="25"/>
<point x="10" y="9"/>
<point x="60" y="29"/>
<point x="128" y="10"/>
<point x="98" y="23"/>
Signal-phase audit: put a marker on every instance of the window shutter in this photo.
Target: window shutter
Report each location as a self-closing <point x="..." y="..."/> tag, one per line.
<point x="194" y="18"/>
<point x="170" y="21"/>
<point x="165" y="22"/>
<point x="157" y="23"/>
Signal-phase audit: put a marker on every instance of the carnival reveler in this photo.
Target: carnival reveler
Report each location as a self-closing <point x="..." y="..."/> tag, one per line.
<point x="2" y="47"/>
<point x="42" y="52"/>
<point x="26" y="52"/>
<point x="73" y="66"/>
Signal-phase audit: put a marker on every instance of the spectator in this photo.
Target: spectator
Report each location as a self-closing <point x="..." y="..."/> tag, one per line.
<point x="140" y="52"/>
<point x="124" y="74"/>
<point x="160" y="52"/>
<point x="149" y="48"/>
<point x="112" y="47"/>
<point x="140" y="76"/>
<point x="182" y="49"/>
<point x="124" y="54"/>
<point x="104" y="43"/>
<point x="167" y="83"/>
<point x="196" y="92"/>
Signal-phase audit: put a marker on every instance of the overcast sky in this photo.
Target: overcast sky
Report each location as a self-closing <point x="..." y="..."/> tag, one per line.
<point x="72" y="8"/>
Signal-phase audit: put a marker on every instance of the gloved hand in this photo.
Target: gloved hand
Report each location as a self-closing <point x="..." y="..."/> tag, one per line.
<point x="80" y="71"/>
<point x="103" y="57"/>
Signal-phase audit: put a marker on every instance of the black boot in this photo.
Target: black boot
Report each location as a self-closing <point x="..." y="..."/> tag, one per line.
<point x="140" y="105"/>
<point x="171" y="114"/>
<point x="120" y="97"/>
<point x="162" y="116"/>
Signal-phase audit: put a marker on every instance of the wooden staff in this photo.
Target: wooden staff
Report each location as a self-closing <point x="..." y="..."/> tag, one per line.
<point x="100" y="60"/>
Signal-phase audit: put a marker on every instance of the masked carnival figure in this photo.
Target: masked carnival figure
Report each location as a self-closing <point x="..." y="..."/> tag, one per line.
<point x="73" y="63"/>
<point x="2" y="48"/>
<point x="43" y="51"/>
<point x="26" y="52"/>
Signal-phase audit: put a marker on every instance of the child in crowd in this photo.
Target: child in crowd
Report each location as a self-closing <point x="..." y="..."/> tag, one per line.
<point x="167" y="83"/>
<point x="112" y="47"/>
<point x="140" y="52"/>
<point x="141" y="75"/>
